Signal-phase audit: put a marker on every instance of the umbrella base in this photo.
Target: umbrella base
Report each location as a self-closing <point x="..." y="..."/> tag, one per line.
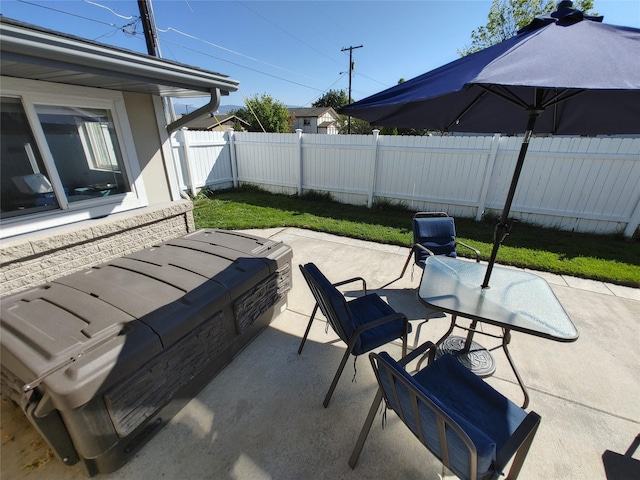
<point x="477" y="359"/>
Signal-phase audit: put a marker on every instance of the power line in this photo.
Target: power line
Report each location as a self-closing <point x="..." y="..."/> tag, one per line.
<point x="240" y="65"/>
<point x="326" y="89"/>
<point x="288" y="33"/>
<point x="69" y="13"/>
<point x="193" y="37"/>
<point x="372" y="79"/>
<point x="110" y="9"/>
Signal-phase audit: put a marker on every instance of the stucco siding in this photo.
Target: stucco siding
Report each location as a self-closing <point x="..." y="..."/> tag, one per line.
<point x="144" y="126"/>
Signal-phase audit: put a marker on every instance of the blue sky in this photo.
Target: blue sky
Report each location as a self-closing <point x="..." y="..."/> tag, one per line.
<point x="290" y="50"/>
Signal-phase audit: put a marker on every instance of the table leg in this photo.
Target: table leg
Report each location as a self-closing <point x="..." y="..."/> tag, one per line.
<point x="432" y="352"/>
<point x="506" y="338"/>
<point x="469" y="341"/>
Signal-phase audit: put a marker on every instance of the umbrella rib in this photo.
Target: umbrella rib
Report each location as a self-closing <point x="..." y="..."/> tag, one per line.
<point x="469" y="107"/>
<point x="505" y="94"/>
<point x="559" y="98"/>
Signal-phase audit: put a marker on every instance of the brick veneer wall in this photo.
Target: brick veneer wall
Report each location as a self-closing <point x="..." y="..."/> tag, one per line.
<point x="38" y="258"/>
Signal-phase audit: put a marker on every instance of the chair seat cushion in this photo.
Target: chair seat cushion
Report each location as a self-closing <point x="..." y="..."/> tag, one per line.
<point x="488" y="417"/>
<point x="369" y="308"/>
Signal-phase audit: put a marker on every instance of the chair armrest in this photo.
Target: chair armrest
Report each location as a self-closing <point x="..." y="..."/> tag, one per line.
<point x="518" y="444"/>
<point x="477" y="252"/>
<point x="422" y="247"/>
<point x="354" y="279"/>
<point x="381" y="321"/>
<point x="421" y="350"/>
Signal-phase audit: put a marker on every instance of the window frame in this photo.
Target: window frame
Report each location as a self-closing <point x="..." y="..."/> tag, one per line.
<point x="32" y="93"/>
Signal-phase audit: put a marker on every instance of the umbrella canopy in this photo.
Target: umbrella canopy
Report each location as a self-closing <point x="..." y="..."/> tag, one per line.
<point x="566" y="73"/>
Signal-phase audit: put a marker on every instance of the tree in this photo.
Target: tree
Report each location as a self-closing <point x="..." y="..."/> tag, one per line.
<point x="265" y="114"/>
<point x="506" y="17"/>
<point x="335" y="99"/>
<point x="358" y="126"/>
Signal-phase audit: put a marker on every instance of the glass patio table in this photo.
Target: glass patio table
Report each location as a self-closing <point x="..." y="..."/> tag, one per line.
<point x="515" y="300"/>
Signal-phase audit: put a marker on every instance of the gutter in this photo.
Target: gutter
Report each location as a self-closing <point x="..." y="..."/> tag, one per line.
<point x="209" y="108"/>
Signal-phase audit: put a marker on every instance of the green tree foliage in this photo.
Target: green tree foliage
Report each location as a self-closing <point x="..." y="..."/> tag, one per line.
<point x="335" y="99"/>
<point x="506" y="17"/>
<point x="265" y="114"/>
<point x="358" y="127"/>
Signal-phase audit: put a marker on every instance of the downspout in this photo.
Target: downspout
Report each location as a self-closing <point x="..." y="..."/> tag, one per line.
<point x="207" y="109"/>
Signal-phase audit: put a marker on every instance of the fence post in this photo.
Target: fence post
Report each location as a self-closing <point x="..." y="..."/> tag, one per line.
<point x="299" y="132"/>
<point x="634" y="220"/>
<point x="184" y="146"/>
<point x="232" y="155"/>
<point x="374" y="161"/>
<point x="491" y="159"/>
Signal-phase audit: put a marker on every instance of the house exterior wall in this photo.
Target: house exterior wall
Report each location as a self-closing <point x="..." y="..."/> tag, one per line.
<point x="38" y="256"/>
<point x="140" y="111"/>
<point x="312" y="126"/>
<point x="41" y="257"/>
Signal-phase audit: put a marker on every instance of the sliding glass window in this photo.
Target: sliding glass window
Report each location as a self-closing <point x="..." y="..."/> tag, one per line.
<point x="64" y="158"/>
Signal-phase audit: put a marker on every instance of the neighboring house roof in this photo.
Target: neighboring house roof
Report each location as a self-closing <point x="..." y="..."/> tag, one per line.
<point x="312" y="112"/>
<point x="327" y="124"/>
<point x="210" y="122"/>
<point x="62" y="58"/>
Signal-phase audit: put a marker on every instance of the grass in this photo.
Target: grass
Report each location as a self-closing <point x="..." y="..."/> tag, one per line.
<point x="608" y="258"/>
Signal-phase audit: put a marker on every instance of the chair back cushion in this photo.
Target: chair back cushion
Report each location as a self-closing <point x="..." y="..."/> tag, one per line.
<point x="468" y="406"/>
<point x="331" y="302"/>
<point x="438" y="234"/>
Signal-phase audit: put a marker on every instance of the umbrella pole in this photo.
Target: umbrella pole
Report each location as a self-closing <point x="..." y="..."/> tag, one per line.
<point x="502" y="229"/>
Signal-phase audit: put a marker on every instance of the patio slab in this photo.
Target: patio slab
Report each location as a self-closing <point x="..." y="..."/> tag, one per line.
<point x="262" y="416"/>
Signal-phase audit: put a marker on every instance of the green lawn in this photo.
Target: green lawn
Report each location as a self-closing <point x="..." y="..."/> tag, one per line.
<point x="608" y="258"/>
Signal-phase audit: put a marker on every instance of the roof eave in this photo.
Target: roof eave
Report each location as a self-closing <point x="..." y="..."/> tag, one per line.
<point x="92" y="64"/>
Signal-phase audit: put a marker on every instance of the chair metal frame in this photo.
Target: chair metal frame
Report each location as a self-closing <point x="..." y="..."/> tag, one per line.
<point x="333" y="320"/>
<point x="516" y="447"/>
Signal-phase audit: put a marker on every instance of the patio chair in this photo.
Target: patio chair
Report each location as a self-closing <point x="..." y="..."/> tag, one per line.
<point x="434" y="233"/>
<point x="470" y="427"/>
<point x="364" y="323"/>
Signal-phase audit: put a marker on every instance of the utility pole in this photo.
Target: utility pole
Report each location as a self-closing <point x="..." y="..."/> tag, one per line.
<point x="351" y="49"/>
<point x="153" y="46"/>
<point x="149" y="28"/>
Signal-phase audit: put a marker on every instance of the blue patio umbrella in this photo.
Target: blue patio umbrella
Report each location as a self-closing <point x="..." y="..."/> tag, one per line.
<point x="566" y="73"/>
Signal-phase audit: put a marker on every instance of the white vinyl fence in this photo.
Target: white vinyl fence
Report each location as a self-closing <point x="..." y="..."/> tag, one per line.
<point x="571" y="183"/>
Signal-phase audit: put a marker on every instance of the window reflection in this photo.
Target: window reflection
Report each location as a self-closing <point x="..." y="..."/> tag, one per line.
<point x="85" y="150"/>
<point x="25" y="186"/>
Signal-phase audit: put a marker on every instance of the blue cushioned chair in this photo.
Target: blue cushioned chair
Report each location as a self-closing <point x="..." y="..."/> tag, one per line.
<point x="434" y="233"/>
<point x="363" y="323"/>
<point x="470" y="427"/>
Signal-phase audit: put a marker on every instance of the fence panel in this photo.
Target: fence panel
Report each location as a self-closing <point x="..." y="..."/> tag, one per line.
<point x="209" y="159"/>
<point x="339" y="164"/>
<point x="270" y="160"/>
<point x="571" y="183"/>
<point x="433" y="173"/>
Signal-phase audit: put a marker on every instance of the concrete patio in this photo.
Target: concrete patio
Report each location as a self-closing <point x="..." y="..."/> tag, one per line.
<point x="262" y="416"/>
